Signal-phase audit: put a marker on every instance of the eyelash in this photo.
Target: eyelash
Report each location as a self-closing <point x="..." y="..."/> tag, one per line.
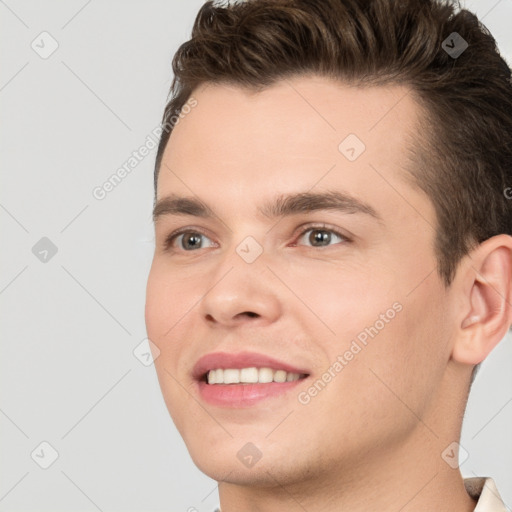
<point x="320" y="227"/>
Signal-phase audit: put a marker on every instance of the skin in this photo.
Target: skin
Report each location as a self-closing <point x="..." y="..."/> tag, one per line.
<point x="372" y="438"/>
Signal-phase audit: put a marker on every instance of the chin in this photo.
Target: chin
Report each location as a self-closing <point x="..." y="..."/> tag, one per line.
<point x="238" y="456"/>
<point x="229" y="469"/>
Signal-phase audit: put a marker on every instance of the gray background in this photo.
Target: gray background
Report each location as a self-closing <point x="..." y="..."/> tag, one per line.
<point x="70" y="323"/>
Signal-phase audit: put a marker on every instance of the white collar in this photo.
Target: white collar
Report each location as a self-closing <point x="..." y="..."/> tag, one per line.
<point x="483" y="489"/>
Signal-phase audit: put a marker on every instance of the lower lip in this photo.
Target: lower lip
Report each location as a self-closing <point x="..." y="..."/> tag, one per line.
<point x="243" y="395"/>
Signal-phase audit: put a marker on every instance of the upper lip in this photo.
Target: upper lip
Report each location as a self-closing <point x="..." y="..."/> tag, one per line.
<point x="239" y="360"/>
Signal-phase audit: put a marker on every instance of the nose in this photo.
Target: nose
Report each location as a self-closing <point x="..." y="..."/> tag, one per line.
<point x="240" y="293"/>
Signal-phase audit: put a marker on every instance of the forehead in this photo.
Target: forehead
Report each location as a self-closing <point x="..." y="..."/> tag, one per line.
<point x="297" y="134"/>
<point x="298" y="114"/>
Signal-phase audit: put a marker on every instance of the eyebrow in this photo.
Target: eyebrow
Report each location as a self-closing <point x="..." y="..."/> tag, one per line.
<point x="280" y="206"/>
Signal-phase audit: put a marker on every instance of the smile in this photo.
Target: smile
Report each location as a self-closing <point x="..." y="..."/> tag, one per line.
<point x="251" y="375"/>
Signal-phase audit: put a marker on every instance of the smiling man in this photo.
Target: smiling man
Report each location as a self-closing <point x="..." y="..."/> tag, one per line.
<point x="333" y="254"/>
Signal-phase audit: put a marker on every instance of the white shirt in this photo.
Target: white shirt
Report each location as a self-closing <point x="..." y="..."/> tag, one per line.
<point x="482" y="489"/>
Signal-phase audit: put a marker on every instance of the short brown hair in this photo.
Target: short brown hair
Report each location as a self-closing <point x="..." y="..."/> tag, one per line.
<point x="462" y="161"/>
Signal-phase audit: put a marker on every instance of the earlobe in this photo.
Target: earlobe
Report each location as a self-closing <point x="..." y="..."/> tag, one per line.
<point x="488" y="302"/>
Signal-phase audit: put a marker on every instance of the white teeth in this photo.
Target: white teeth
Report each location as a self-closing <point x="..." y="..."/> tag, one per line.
<point x="249" y="376"/>
<point x="265" y="375"/>
<point x="231" y="376"/>
<point x="280" y="376"/>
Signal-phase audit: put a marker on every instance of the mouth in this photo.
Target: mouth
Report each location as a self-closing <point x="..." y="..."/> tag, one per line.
<point x="245" y="379"/>
<point x="250" y="375"/>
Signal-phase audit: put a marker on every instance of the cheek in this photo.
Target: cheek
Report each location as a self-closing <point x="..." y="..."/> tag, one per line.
<point x="165" y="316"/>
<point x="345" y="297"/>
<point x="165" y="310"/>
<point x="156" y="309"/>
<point x="167" y="300"/>
<point x="405" y="361"/>
<point x="390" y="339"/>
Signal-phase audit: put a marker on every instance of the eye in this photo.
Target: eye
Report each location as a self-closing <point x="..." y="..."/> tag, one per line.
<point x="187" y="240"/>
<point x="322" y="236"/>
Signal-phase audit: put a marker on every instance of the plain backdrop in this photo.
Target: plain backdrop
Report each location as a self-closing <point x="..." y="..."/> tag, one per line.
<point x="74" y="267"/>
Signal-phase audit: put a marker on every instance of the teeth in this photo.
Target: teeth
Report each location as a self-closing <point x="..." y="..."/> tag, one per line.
<point x="265" y="375"/>
<point x="249" y="376"/>
<point x="231" y="376"/>
<point x="280" y="376"/>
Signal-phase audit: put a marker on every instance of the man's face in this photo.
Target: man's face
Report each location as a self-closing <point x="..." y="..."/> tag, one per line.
<point x="356" y="286"/>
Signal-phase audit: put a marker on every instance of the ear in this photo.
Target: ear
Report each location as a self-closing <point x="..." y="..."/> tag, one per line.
<point x="486" y="287"/>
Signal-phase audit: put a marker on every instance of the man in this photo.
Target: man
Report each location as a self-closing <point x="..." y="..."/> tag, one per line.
<point x="333" y="250"/>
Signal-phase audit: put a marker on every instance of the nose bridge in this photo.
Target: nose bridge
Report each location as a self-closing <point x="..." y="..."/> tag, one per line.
<point x="244" y="260"/>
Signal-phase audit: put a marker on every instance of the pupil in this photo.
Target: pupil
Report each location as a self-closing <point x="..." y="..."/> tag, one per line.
<point x="323" y="237"/>
<point x="195" y="241"/>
